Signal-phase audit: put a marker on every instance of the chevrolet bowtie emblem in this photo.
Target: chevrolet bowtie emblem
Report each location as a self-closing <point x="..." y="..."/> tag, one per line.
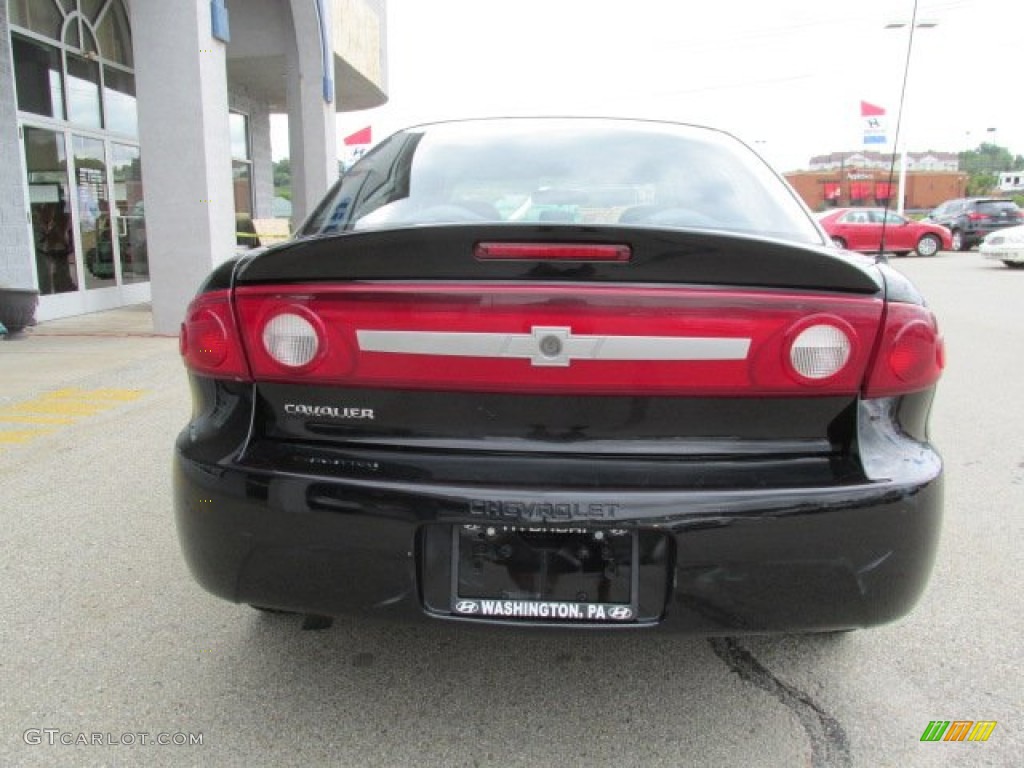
<point x="552" y="346"/>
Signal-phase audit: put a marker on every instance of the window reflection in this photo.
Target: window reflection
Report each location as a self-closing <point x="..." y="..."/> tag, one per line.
<point x="72" y="36"/>
<point x="119" y="106"/>
<point x="89" y="47"/>
<point x="40" y="16"/>
<point x="130" y="213"/>
<point x="87" y="234"/>
<point x="50" y="208"/>
<point x="83" y="92"/>
<point x="91" y="7"/>
<point x="241" y="176"/>
<point x="94" y="225"/>
<point x="115" y="36"/>
<point x="37" y="77"/>
<point x="238" y="124"/>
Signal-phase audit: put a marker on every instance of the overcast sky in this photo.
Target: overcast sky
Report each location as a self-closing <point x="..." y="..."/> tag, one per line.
<point x="786" y="76"/>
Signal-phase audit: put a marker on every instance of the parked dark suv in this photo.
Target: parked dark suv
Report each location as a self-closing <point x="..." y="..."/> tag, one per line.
<point x="969" y="219"/>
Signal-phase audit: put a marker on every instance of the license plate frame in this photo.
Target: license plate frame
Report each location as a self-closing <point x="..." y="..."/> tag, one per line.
<point x="522" y="573"/>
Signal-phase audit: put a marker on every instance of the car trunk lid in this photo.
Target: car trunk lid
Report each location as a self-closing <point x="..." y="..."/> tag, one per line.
<point x="427" y="340"/>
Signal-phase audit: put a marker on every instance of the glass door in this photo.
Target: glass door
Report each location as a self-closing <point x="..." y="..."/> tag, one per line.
<point x="50" y="206"/>
<point x="129" y="213"/>
<point x="95" y="229"/>
<point x="87" y="210"/>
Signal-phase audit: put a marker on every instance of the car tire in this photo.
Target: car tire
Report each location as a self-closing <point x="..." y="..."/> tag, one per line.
<point x="838" y="242"/>
<point x="928" y="245"/>
<point x="265" y="609"/>
<point x="1014" y="264"/>
<point x="958" y="241"/>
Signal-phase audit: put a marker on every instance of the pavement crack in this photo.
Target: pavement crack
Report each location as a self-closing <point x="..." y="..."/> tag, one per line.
<point x="830" y="747"/>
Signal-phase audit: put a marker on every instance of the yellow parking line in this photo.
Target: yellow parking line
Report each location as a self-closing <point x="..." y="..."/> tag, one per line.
<point x="21" y="435"/>
<point x="122" y="395"/>
<point x="59" y="408"/>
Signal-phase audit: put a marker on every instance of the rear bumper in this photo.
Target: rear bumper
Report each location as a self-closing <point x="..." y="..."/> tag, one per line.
<point x="1004" y="253"/>
<point x="739" y="561"/>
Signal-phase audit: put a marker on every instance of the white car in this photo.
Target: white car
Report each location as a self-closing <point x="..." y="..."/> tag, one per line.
<point x="1006" y="245"/>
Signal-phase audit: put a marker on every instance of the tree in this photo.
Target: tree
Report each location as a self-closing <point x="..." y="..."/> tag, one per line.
<point x="283" y="172"/>
<point x="984" y="164"/>
<point x="283" y="178"/>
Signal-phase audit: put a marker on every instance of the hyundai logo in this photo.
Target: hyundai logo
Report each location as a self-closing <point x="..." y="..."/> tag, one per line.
<point x="620" y="613"/>
<point x="467" y="606"/>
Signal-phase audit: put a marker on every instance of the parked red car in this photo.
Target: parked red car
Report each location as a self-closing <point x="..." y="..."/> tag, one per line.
<point x="860" y="229"/>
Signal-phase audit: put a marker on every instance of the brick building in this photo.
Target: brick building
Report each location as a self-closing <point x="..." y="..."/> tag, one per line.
<point x="859" y="186"/>
<point x="862" y="178"/>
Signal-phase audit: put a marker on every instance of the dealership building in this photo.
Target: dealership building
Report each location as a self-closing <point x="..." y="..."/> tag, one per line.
<point x="135" y="133"/>
<point x="863" y="178"/>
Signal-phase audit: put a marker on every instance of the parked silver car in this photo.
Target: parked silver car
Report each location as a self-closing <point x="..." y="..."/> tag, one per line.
<point x="1005" y="245"/>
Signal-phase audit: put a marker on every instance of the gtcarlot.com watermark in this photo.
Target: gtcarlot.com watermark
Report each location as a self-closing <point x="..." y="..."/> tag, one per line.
<point x="54" y="737"/>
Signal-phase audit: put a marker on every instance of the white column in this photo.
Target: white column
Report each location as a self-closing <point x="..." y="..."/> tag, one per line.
<point x="181" y="82"/>
<point x="902" y="192"/>
<point x="312" y="141"/>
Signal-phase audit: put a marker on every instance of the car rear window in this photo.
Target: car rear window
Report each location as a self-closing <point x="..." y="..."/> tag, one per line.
<point x="996" y="206"/>
<point x="594" y="173"/>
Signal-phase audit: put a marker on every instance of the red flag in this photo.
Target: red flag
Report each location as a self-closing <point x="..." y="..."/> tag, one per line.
<point x="362" y="136"/>
<point x="873" y="118"/>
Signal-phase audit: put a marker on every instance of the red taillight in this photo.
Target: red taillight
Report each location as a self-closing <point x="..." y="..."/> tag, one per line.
<point x="552" y="252"/>
<point x="209" y="341"/>
<point x="556" y="339"/>
<point x="911" y="353"/>
<point x="594" y="339"/>
<point x="978" y="216"/>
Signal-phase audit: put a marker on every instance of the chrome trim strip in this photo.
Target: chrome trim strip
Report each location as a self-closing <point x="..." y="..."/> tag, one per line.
<point x="549" y="346"/>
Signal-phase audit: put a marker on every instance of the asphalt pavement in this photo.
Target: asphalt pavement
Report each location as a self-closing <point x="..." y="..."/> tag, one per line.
<point x="107" y="645"/>
<point x="60" y="351"/>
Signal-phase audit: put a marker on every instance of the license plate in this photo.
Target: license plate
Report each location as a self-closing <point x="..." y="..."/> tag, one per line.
<point x="544" y="574"/>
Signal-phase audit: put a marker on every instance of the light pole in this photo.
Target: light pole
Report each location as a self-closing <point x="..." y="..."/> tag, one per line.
<point x="911" y="26"/>
<point x="994" y="152"/>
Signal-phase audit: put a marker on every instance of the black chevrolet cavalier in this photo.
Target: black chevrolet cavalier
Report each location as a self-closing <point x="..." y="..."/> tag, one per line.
<point x="562" y="372"/>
